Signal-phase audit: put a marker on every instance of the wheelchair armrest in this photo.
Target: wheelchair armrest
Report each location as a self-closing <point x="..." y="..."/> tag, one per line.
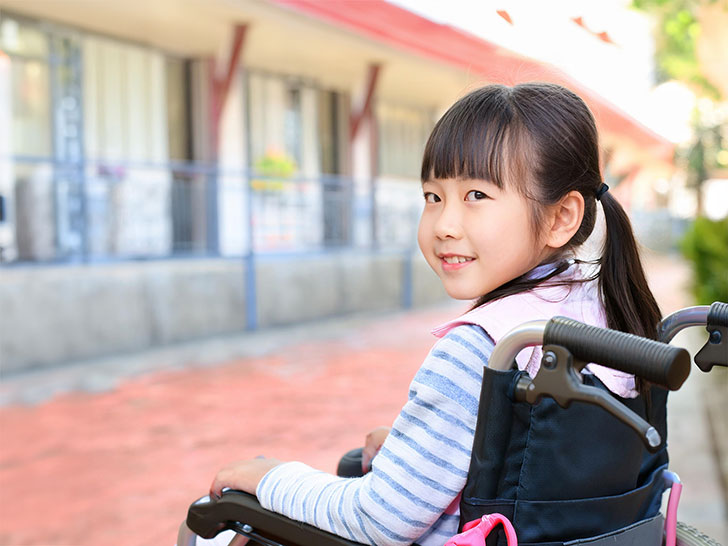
<point x="208" y="517"/>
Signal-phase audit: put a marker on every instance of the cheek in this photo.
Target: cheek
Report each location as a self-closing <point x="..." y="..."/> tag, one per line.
<point x="523" y="226"/>
<point x="422" y="234"/>
<point x="512" y="239"/>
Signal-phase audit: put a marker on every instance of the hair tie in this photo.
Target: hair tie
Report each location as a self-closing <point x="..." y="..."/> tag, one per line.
<point x="601" y="191"/>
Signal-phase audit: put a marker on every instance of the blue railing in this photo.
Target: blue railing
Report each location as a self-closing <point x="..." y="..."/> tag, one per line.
<point x="94" y="211"/>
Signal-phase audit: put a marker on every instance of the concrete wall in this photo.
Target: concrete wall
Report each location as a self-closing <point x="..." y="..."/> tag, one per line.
<point x="51" y="315"/>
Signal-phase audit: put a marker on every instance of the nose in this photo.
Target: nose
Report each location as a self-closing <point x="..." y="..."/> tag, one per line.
<point x="448" y="224"/>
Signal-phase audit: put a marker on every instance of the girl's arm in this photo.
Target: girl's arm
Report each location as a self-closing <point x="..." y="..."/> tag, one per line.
<point x="420" y="469"/>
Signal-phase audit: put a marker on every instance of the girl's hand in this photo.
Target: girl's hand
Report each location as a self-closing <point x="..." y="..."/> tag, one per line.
<point x="373" y="443"/>
<point x="242" y="475"/>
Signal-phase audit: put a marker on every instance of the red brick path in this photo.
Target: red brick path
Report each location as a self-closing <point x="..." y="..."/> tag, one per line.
<point x="122" y="467"/>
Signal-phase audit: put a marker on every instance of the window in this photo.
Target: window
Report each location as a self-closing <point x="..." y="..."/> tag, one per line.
<point x="30" y="95"/>
<point x="403" y="132"/>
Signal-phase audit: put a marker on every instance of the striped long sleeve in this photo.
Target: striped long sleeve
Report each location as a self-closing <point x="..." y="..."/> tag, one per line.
<point x="412" y="491"/>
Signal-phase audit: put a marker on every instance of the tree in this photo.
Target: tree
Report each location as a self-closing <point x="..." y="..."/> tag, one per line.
<point x="678" y="30"/>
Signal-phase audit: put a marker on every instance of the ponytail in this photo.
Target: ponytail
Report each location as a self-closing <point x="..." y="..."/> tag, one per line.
<point x="629" y="303"/>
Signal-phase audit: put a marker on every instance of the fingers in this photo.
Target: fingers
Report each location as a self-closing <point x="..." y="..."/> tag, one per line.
<point x="242" y="476"/>
<point x="366" y="460"/>
<point x="216" y="487"/>
<point x="367" y="454"/>
<point x="225" y="477"/>
<point x="372" y="445"/>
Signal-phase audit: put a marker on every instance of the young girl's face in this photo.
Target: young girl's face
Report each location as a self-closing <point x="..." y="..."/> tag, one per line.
<point x="477" y="236"/>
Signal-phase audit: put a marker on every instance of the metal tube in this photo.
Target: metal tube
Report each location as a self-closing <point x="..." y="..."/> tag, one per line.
<point x="185" y="536"/>
<point x="679" y="320"/>
<point x="526" y="335"/>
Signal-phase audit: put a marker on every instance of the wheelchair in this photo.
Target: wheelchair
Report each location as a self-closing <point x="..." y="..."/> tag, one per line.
<point x="568" y="346"/>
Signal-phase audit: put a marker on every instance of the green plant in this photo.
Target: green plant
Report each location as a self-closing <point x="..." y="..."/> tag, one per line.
<point x="272" y="170"/>
<point x="275" y="164"/>
<point x="705" y="244"/>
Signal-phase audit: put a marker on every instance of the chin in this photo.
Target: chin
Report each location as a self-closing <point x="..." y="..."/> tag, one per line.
<point x="461" y="295"/>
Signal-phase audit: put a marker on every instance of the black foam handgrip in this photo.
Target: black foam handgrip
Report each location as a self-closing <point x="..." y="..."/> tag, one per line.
<point x="656" y="362"/>
<point x="718" y="314"/>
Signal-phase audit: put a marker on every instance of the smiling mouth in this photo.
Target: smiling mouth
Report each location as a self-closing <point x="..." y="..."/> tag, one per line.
<point x="456" y="259"/>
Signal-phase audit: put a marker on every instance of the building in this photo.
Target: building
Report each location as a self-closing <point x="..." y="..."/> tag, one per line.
<point x="242" y="134"/>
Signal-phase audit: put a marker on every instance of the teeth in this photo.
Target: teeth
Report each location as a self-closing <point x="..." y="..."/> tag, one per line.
<point x="456" y="259"/>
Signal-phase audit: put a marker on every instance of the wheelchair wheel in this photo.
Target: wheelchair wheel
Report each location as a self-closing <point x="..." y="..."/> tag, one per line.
<point x="690" y="536"/>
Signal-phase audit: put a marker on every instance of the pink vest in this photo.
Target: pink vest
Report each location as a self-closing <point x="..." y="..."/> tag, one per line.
<point x="579" y="301"/>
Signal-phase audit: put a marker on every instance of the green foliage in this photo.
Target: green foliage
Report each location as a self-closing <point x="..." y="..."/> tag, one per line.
<point x="677" y="33"/>
<point x="706" y="246"/>
<point x="275" y="164"/>
<point x="708" y="149"/>
<point x="273" y="169"/>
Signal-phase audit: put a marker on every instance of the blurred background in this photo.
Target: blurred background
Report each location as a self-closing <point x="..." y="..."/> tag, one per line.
<point x="223" y="194"/>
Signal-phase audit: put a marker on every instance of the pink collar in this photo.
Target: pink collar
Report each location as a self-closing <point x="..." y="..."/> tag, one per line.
<point x="579" y="301"/>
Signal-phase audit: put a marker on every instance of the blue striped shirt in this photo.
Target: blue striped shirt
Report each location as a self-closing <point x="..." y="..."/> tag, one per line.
<point x="419" y="472"/>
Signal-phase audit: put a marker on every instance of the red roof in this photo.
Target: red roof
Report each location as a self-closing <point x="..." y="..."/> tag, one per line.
<point x="397" y="27"/>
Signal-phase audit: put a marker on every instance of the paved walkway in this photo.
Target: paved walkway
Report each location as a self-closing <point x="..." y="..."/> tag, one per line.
<point x="113" y="451"/>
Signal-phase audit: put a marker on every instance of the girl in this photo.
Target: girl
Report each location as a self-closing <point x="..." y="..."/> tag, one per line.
<point x="511" y="183"/>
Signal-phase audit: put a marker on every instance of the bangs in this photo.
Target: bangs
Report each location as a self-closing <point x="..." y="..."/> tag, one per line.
<point x="471" y="139"/>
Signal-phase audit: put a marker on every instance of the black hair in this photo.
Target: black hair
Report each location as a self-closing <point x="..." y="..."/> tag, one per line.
<point x="542" y="139"/>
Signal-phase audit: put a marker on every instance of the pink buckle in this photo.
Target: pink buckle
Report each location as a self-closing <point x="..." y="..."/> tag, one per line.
<point x="474" y="532"/>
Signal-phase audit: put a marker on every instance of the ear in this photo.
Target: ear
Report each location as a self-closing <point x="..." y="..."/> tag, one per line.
<point x="564" y="219"/>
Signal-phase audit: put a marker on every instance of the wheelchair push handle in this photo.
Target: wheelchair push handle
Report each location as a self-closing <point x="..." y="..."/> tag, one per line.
<point x="656" y="362"/>
<point x="569" y="345"/>
<point x="675" y="322"/>
<point x="715" y="320"/>
<point x="713" y="316"/>
<point x="715" y="350"/>
<point x="718" y="314"/>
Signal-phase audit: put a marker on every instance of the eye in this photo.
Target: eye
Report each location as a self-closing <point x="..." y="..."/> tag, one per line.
<point x="475" y="195"/>
<point x="431" y="197"/>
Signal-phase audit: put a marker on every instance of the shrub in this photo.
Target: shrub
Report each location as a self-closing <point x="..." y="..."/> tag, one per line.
<point x="706" y="246"/>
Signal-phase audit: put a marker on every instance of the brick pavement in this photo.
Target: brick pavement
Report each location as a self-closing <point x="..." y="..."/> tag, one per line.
<point x="121" y="466"/>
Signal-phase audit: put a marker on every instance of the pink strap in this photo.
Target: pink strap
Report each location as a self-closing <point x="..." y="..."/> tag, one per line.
<point x="474" y="532"/>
